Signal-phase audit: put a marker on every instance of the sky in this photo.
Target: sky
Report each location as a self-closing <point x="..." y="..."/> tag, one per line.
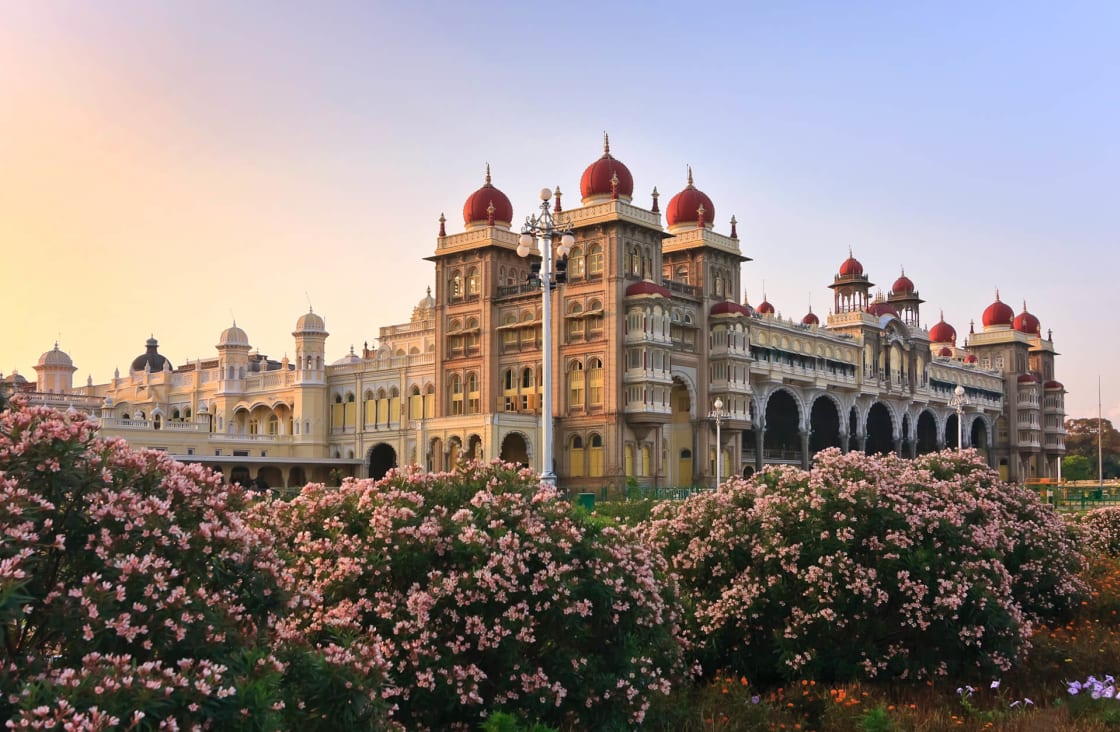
<point x="166" y="168"/>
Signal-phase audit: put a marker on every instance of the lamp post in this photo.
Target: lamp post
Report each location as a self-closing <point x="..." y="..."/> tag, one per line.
<point x="718" y="413"/>
<point x="958" y="401"/>
<point x="543" y="226"/>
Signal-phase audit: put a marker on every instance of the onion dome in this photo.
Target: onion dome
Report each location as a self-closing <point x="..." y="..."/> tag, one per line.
<point x="851" y="266"/>
<point x="689" y="207"/>
<point x="310" y="322"/>
<point x="998" y="313"/>
<point x="971" y="358"/>
<point x="945" y="352"/>
<point x="645" y="287"/>
<point x="1027" y="379"/>
<point x="487" y="207"/>
<point x="606" y="178"/>
<point x="151" y="358"/>
<point x="1026" y="323"/>
<point x="764" y="307"/>
<point x="427" y="302"/>
<point x="233" y="336"/>
<point x="810" y="319"/>
<point x="879" y="308"/>
<point x="729" y="307"/>
<point x="942" y="332"/>
<point x="348" y="359"/>
<point x="55" y="357"/>
<point x="1053" y="386"/>
<point x="14" y="379"/>
<point x="902" y="286"/>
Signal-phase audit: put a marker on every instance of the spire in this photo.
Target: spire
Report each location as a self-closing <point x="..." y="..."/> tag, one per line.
<point x="1024" y="309"/>
<point x="556" y="207"/>
<point x="488" y="174"/>
<point x="997" y="294"/>
<point x="606" y="143"/>
<point x="655" y="195"/>
<point x="734" y="234"/>
<point x="689" y="176"/>
<point x="442" y="225"/>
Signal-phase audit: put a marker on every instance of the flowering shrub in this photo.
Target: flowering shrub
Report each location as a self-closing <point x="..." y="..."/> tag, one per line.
<point x="485" y="592"/>
<point x="134" y="590"/>
<point x="1100" y="530"/>
<point x="866" y="567"/>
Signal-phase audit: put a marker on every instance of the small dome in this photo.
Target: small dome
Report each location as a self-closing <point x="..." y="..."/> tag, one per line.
<point x="14" y="378"/>
<point x="310" y="322"/>
<point x="55" y="357"/>
<point x="764" y="307"/>
<point x="477" y="209"/>
<point x="684" y="208"/>
<point x="233" y="336"/>
<point x="879" y="308"/>
<point x="151" y="358"/>
<point x="811" y="319"/>
<point x="902" y="286"/>
<point x="645" y="287"/>
<point x="427" y="302"/>
<point x="998" y="313"/>
<point x="945" y="352"/>
<point x="971" y="358"/>
<point x="1027" y="379"/>
<point x="729" y="307"/>
<point x="1026" y="323"/>
<point x="599" y="180"/>
<point x="1053" y="385"/>
<point x="851" y="267"/>
<point x="942" y="332"/>
<point x="348" y="358"/>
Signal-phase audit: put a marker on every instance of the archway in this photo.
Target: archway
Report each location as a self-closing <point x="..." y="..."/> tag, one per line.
<point x="515" y="450"/>
<point x="926" y="433"/>
<point x="268" y="477"/>
<point x="979" y="435"/>
<point x="824" y="425"/>
<point x="240" y="474"/>
<point x="880" y="430"/>
<point x="297" y="478"/>
<point x="951" y="432"/>
<point x="474" y="448"/>
<point x="679" y="432"/>
<point x="782" y="437"/>
<point x="382" y="459"/>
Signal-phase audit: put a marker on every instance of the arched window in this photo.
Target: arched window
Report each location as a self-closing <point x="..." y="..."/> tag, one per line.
<point x="575" y="385"/>
<point x="273" y="425"/>
<point x="473" y="396"/>
<point x="456" y="284"/>
<point x="456" y="391"/>
<point x="595" y="382"/>
<point x="595" y="456"/>
<point x="576" y="263"/>
<point x="575" y="457"/>
<point x="473" y="282"/>
<point x="595" y="259"/>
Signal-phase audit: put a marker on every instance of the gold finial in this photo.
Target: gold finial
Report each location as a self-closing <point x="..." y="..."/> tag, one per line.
<point x="689" y="176"/>
<point x="997" y="294"/>
<point x="606" y="143"/>
<point x="488" y="173"/>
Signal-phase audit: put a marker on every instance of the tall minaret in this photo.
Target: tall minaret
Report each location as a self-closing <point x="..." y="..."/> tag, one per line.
<point x="56" y="372"/>
<point x="311" y="347"/>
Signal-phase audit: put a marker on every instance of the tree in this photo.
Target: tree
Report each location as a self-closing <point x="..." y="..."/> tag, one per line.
<point x="1077" y="467"/>
<point x="1081" y="439"/>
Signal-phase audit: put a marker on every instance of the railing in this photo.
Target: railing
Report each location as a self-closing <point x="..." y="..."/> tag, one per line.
<point x="681" y="288"/>
<point x="522" y="289"/>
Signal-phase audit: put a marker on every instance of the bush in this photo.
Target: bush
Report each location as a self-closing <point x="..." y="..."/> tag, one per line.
<point x="867" y="567"/>
<point x="135" y="588"/>
<point x="1100" y="530"/>
<point x="486" y="593"/>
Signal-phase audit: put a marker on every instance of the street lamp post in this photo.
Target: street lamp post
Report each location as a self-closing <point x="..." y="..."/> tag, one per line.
<point x="718" y="413"/>
<point x="544" y="226"/>
<point x="958" y="401"/>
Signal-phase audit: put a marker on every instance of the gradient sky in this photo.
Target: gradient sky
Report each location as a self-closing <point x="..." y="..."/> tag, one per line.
<point x="166" y="167"/>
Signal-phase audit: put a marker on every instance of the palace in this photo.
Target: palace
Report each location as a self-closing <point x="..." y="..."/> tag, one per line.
<point x="647" y="333"/>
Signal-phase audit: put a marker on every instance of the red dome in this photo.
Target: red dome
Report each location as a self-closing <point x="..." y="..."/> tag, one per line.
<point x="645" y="287"/>
<point x="684" y="208"/>
<point x="476" y="209"/>
<point x="902" y="286"/>
<point x="942" y="332"/>
<point x="1026" y="323"/>
<point x="880" y="308"/>
<point x="764" y="307"/>
<point x="945" y="352"/>
<point x="1053" y="385"/>
<point x="851" y="266"/>
<point x="971" y="358"/>
<point x="597" y="179"/>
<point x="811" y="319"/>
<point x="998" y="313"/>
<point x="729" y="307"/>
<point x="1027" y="379"/>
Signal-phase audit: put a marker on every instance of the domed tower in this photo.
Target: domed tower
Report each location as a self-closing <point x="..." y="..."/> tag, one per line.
<point x="55" y="371"/>
<point x="606" y="179"/>
<point x="904" y="297"/>
<point x="1027" y="323"/>
<point x="689" y="209"/>
<point x="851" y="287"/>
<point x="311" y="347"/>
<point x="150" y="360"/>
<point x="487" y="206"/>
<point x="233" y="358"/>
<point x="998" y="315"/>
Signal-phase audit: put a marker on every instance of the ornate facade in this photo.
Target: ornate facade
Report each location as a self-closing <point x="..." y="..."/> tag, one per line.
<point x="647" y="334"/>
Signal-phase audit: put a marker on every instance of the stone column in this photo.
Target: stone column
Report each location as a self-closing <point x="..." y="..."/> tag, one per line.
<point x="759" y="438"/>
<point x="804" y="449"/>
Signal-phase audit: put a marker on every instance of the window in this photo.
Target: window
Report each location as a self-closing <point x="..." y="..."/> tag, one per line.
<point x="273" y="425"/>
<point x="457" y="284"/>
<point x="682" y="273"/>
<point x="456" y="391"/>
<point x="473" y="400"/>
<point x="595" y="457"/>
<point x="575" y="457"/>
<point x="575" y="385"/>
<point x="576" y="263"/>
<point x="595" y="382"/>
<point x="575" y="322"/>
<point x="472" y="281"/>
<point x="595" y="260"/>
